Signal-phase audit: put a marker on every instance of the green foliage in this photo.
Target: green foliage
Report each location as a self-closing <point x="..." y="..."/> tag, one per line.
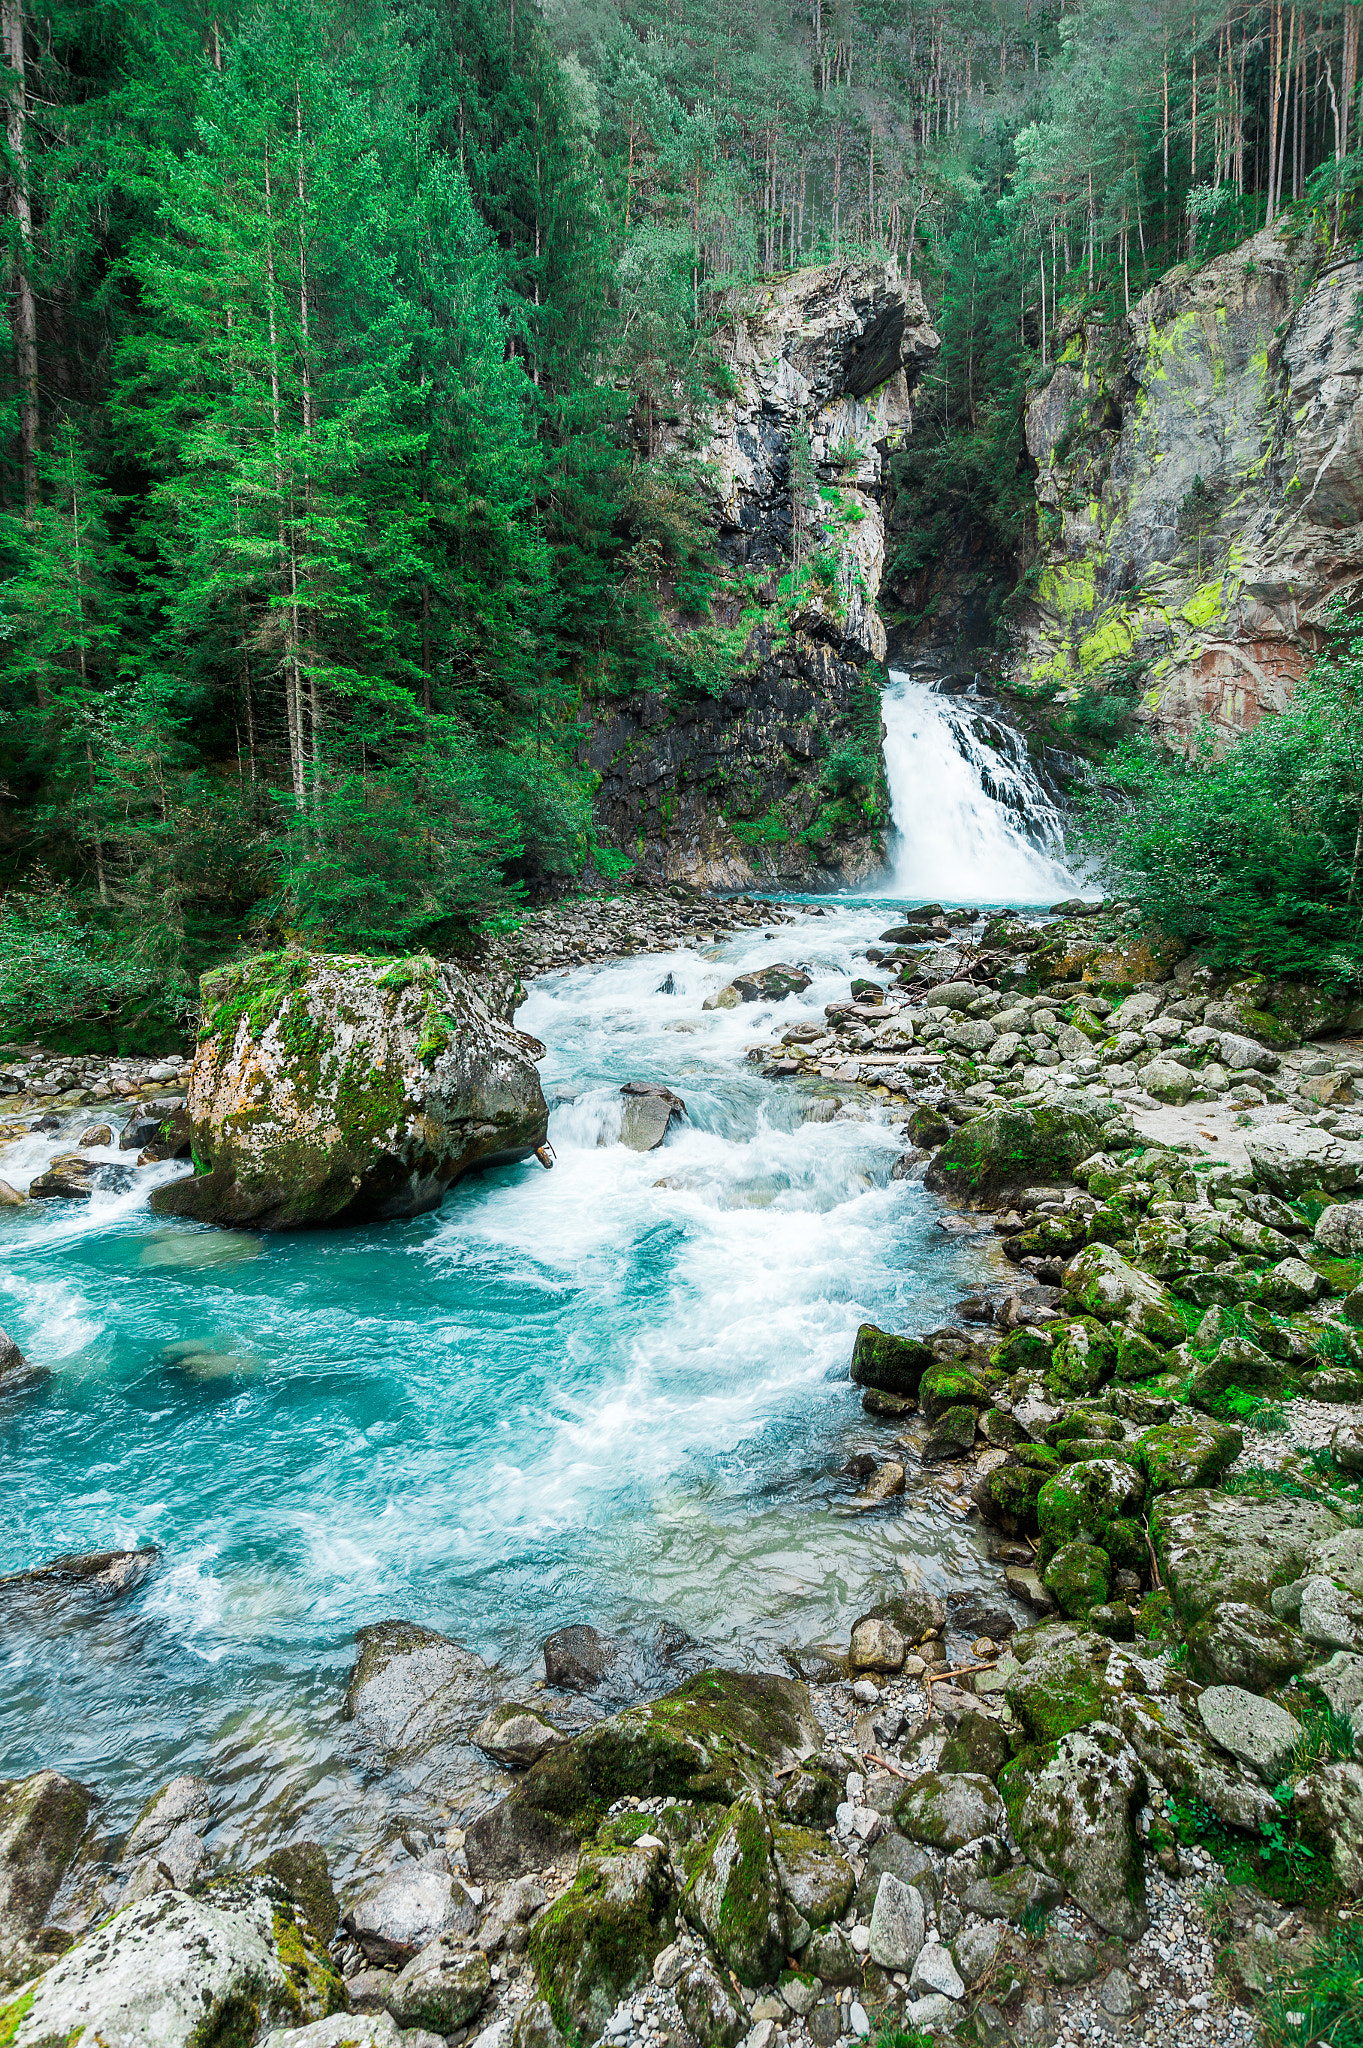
<point x="1272" y="1858"/>
<point x="1251" y="851"/>
<point x="1326" y="1736"/>
<point x="1236" y="1405"/>
<point x="56" y="969"/>
<point x="1325" y="2001"/>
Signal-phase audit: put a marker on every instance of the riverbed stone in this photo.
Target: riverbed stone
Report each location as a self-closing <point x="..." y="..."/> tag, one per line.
<point x="342" y="2030"/>
<point x="728" y="1730"/>
<point x="647" y="1113"/>
<point x="42" y="1821"/>
<point x="333" y="1090"/>
<point x="1014" y="1895"/>
<point x="596" y="1943"/>
<point x="410" y="1910"/>
<point x="1215" y="1546"/>
<point x="898" y="1924"/>
<point x="814" y="1877"/>
<point x="935" y="1971"/>
<point x="184" y="1799"/>
<point x="15" y="1370"/>
<point x="1102" y="1283"/>
<point x="1262" y="1735"/>
<point x="516" y="1735"/>
<point x="947" y="1810"/>
<point x="1236" y="1644"/>
<point x="1328" y="1806"/>
<point x="1078" y="1822"/>
<point x="877" y="1645"/>
<point x="889" y="1363"/>
<point x="1168" y="1737"/>
<point x="1009" y="1147"/>
<point x="1079" y="1577"/>
<point x="68" y="1177"/>
<point x="708" y="2007"/>
<point x="952" y="1435"/>
<point x="735" y="1894"/>
<point x="442" y="1987"/>
<point x="1289" y="1159"/>
<point x="180" y="1971"/>
<point x="1081" y="1503"/>
<point x="414" y="1695"/>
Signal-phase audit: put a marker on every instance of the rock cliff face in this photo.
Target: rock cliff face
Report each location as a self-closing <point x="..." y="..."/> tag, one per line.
<point x="1200" y="485"/>
<point x="721" y="790"/>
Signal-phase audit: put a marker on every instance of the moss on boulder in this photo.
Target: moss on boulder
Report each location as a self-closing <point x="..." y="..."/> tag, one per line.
<point x="736" y="1896"/>
<point x="1009" y="1147"/>
<point x="330" y="1089"/>
<point x="890" y="1364"/>
<point x="597" y="1941"/>
<point x="1085" y="1355"/>
<point x="1078" y="1577"/>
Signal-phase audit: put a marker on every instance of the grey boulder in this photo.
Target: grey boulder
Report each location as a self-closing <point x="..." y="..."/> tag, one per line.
<point x="898" y="1924"/>
<point x="1259" y="1734"/>
<point x="442" y="1987"/>
<point x="42" y="1821"/>
<point x="1078" y="1823"/>
<point x="409" y="1912"/>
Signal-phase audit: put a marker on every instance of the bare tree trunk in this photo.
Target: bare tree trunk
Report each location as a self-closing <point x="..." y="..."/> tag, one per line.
<point x="25" y="306"/>
<point x="293" y="697"/>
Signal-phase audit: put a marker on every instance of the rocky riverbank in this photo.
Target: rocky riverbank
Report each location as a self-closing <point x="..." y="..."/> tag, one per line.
<point x="1119" y="1797"/>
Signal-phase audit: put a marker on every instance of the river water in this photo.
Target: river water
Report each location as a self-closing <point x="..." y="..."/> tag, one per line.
<point x="613" y="1392"/>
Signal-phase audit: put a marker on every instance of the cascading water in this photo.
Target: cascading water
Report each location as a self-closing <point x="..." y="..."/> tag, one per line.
<point x="973" y="823"/>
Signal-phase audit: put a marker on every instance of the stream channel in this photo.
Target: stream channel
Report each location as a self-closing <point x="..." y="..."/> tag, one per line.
<point x="614" y="1392"/>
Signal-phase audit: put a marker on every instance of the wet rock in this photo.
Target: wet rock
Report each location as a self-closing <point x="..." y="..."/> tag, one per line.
<point x="301" y="1868"/>
<point x="69" y="1177"/>
<point x="1026" y="1585"/>
<point x="949" y="1811"/>
<point x="951" y="1436"/>
<point x="414" y="1696"/>
<point x="648" y="1113"/>
<point x="890" y="1364"/>
<point x="885" y="1483"/>
<point x="10" y="1197"/>
<point x="100" y="1574"/>
<point x="1215" y="1547"/>
<point x="181" y="1971"/>
<point x="578" y="1658"/>
<point x="771" y="984"/>
<point x="516" y="1736"/>
<point x="1079" y="1577"/>
<point x="877" y="1645"/>
<point x="330" y="1090"/>
<point x="898" y="1924"/>
<point x="409" y="1911"/>
<point x="1078" y="1823"/>
<point x="1236" y="1644"/>
<point x="442" y="1987"/>
<point x="96" y="1134"/>
<point x="42" y="1820"/>
<point x="184" y="1799"/>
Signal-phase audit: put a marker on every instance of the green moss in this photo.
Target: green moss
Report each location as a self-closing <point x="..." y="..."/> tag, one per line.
<point x="1078" y="1577"/>
<point x="12" y="2015"/>
<point x="308" y="1967"/>
<point x="1015" y="1780"/>
<point x="230" y="2022"/>
<point x="596" y="1942"/>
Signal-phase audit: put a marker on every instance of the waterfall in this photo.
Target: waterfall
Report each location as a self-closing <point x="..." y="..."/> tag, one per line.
<point x="972" y="821"/>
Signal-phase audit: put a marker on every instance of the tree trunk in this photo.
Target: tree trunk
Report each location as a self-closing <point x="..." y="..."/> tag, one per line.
<point x="25" y="307"/>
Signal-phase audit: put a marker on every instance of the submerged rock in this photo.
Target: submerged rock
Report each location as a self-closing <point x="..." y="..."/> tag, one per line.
<point x="103" y="1574"/>
<point x="648" y="1113"/>
<point x="336" y="1090"/>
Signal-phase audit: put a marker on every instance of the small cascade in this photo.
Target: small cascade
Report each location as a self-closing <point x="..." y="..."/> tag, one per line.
<point x="973" y="823"/>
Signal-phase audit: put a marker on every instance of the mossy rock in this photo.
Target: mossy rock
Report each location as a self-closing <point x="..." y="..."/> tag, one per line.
<point x="890" y="1364"/>
<point x="810" y="1799"/>
<point x="596" y="1943"/>
<point x="1008" y="1147"/>
<point x="1081" y="1503"/>
<point x="1088" y="1421"/>
<point x="978" y="1744"/>
<point x="1023" y="1350"/>
<point x="1015" y="1779"/>
<point x="1006" y="1497"/>
<point x="1078" y="1577"/>
<point x="1137" y="1358"/>
<point x="953" y="1386"/>
<point x="735" y="1895"/>
<point x="1085" y="1356"/>
<point x="1178" y="1455"/>
<point x="302" y="1870"/>
<point x="817" y="1881"/>
<point x="1237" y="1363"/>
<point x="1056" y="1685"/>
<point x="716" y="1735"/>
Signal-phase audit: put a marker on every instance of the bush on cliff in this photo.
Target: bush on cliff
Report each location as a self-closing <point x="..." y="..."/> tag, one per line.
<point x="1254" y="853"/>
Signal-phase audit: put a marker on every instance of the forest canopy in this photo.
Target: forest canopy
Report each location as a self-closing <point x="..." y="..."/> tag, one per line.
<point x="331" y="497"/>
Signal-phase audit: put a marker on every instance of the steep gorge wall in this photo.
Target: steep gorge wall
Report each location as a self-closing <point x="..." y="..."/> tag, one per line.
<point x="1200" y="486"/>
<point x="724" y="790"/>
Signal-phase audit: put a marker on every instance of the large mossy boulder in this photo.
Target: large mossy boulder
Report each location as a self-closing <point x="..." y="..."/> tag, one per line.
<point x="717" y="1736"/>
<point x="1178" y="1455"/>
<point x="947" y="1810"/>
<point x="1009" y="1147"/>
<point x="1078" y="1823"/>
<point x="183" y="1971"/>
<point x="1052" y="1680"/>
<point x="330" y="1089"/>
<point x="597" y="1941"/>
<point x="1216" y="1547"/>
<point x="1081" y="1503"/>
<point x="890" y="1364"/>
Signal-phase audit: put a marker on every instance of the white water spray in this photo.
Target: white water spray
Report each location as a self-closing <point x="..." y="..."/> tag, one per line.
<point x="972" y="821"/>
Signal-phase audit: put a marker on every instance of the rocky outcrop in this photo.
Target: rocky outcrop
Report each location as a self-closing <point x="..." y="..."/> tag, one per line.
<point x="334" y="1090"/>
<point x="723" y="788"/>
<point x="1200" y="484"/>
